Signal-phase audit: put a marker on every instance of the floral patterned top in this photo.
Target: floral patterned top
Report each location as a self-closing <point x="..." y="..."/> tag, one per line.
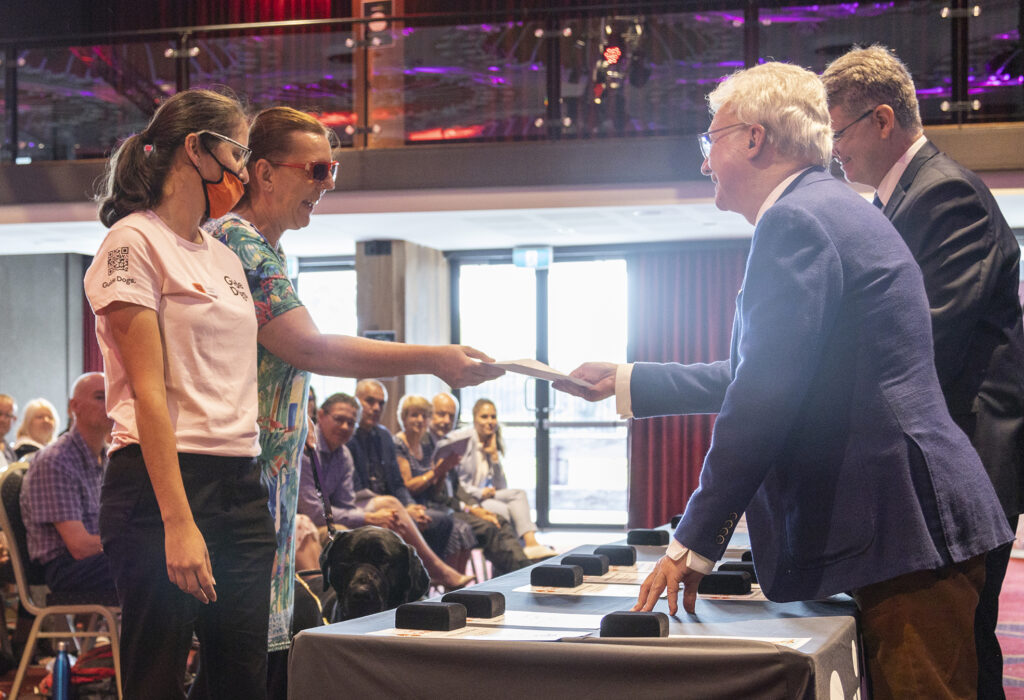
<point x="282" y="409"/>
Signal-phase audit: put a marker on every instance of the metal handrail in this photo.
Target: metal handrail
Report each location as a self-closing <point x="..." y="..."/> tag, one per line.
<point x="651" y="7"/>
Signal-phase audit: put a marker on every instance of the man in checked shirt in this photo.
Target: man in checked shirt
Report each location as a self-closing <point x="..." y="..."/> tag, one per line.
<point x="60" y="497"/>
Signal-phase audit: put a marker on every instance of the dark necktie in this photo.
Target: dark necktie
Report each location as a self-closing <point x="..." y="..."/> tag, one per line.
<point x="374" y="464"/>
<point x="877" y="202"/>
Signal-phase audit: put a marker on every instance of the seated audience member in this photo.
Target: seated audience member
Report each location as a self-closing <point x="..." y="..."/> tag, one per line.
<point x="422" y="476"/>
<point x="494" y="534"/>
<point x="36" y="429"/>
<point x="483" y="478"/>
<point x="8" y="412"/>
<point x="337" y="420"/>
<point x="307" y="544"/>
<point x="311" y="405"/>
<point x="376" y="466"/>
<point x="60" y="497"/>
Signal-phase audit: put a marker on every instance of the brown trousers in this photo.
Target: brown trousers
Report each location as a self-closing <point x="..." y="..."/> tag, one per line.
<point x="918" y="632"/>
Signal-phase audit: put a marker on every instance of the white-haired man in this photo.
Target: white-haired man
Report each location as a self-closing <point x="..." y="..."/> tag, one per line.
<point x="832" y="432"/>
<point x="971" y="265"/>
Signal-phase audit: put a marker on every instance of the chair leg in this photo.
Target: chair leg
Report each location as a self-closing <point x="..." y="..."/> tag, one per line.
<point x="69" y="623"/>
<point x="115" y="650"/>
<point x="88" y="643"/>
<point x="479" y="563"/>
<point x="26" y="656"/>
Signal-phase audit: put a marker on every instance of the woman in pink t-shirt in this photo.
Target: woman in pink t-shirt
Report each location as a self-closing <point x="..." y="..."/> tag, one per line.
<point x="183" y="512"/>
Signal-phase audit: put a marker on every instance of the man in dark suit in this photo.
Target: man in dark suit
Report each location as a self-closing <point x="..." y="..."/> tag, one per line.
<point x="832" y="432"/>
<point x="970" y="261"/>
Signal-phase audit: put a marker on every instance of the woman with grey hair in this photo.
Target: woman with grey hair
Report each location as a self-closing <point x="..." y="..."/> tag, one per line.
<point x="38" y="428"/>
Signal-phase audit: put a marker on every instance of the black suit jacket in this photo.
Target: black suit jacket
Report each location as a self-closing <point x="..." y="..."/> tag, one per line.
<point x="970" y="261"/>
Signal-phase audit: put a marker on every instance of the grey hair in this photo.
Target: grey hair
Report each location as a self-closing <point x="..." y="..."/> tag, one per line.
<point x="788" y="101"/>
<point x="364" y="384"/>
<point x="864" y="78"/>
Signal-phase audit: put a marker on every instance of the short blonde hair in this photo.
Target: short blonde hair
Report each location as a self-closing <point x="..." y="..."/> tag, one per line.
<point x="863" y="78"/>
<point x="413" y="402"/>
<point x="788" y="101"/>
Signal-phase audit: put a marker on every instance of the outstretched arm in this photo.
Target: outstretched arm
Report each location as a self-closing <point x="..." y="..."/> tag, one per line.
<point x="648" y="389"/>
<point x="294" y="337"/>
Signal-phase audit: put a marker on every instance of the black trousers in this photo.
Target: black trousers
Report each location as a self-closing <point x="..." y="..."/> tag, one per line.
<point x="436" y="534"/>
<point x="986" y="617"/>
<point x="229" y="504"/>
<point x="65" y="573"/>
<point x="500" y="544"/>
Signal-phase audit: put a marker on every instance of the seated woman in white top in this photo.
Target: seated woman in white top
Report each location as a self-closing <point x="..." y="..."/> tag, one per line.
<point x="482" y="476"/>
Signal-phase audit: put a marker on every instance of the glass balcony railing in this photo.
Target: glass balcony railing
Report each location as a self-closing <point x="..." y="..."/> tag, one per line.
<point x="541" y="75"/>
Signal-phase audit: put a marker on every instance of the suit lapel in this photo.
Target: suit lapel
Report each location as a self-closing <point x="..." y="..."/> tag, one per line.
<point x="925" y="153"/>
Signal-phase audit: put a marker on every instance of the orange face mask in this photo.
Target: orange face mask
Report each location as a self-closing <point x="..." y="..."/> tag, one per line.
<point x="223" y="194"/>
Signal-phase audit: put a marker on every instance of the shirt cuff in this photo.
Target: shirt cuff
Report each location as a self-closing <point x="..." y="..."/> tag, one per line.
<point x="693" y="561"/>
<point x="623" y="401"/>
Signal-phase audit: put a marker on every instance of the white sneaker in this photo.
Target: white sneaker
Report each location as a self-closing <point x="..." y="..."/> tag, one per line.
<point x="538" y="551"/>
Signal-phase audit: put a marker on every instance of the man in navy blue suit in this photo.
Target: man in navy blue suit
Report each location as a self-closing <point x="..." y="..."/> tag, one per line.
<point x="832" y="432"/>
<point x="971" y="265"/>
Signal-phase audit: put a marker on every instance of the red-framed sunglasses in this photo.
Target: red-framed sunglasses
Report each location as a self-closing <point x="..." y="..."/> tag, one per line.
<point x="318" y="170"/>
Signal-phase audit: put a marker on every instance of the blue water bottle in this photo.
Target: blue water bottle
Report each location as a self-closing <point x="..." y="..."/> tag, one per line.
<point x="61" y="674"/>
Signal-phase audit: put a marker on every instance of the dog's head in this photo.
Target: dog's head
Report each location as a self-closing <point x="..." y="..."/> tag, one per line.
<point x="371" y="569"/>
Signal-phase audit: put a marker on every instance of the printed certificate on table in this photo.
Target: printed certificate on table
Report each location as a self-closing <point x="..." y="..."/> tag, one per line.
<point x="626" y="590"/>
<point x="611" y="590"/>
<point x="501" y="634"/>
<point x="526" y="618"/>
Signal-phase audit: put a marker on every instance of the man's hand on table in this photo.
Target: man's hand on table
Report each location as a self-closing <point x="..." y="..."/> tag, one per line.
<point x="669" y="573"/>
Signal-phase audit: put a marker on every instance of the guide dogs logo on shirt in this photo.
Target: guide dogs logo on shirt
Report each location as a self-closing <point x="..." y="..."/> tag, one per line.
<point x="117" y="261"/>
<point x="237" y="288"/>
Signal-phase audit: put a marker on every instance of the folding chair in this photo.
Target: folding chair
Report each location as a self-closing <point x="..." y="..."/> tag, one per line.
<point x="60" y="605"/>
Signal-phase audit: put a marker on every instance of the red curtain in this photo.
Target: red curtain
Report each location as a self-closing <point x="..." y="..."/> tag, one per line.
<point x="122" y="15"/>
<point x="681" y="305"/>
<point x="92" y="360"/>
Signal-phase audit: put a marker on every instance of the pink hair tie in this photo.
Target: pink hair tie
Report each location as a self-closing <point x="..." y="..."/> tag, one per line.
<point x="147" y="148"/>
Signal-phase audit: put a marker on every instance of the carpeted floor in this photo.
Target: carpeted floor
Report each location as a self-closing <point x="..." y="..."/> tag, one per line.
<point x="32" y="678"/>
<point x="1011" y="629"/>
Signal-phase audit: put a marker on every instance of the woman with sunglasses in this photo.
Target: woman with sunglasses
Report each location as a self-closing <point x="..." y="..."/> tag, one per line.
<point x="290" y="170"/>
<point x="183" y="513"/>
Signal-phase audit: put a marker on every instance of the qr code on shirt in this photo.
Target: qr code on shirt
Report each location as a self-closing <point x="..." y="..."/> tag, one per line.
<point x="117" y="260"/>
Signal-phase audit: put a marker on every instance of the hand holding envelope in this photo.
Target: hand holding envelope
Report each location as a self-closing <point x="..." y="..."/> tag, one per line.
<point x="592" y="381"/>
<point x="533" y="368"/>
